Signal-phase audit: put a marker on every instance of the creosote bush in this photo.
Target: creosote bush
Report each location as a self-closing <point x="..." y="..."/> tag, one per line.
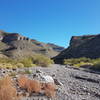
<point x="73" y="61"/>
<point x="78" y="62"/>
<point x="35" y="60"/>
<point x="81" y="64"/>
<point x="41" y="60"/>
<point x="27" y="62"/>
<point x="96" y="64"/>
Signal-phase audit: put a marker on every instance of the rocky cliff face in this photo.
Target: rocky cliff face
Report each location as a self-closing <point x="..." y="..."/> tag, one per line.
<point x="78" y="40"/>
<point x="81" y="46"/>
<point x="15" y="45"/>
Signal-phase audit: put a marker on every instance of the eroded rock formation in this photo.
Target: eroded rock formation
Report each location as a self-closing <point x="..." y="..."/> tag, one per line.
<point x="81" y="46"/>
<point x="15" y="45"/>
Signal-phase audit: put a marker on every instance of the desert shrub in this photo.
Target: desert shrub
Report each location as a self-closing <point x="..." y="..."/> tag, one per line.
<point x="33" y="86"/>
<point x="5" y="81"/>
<point x="27" y="62"/>
<point x="22" y="80"/>
<point x="19" y="65"/>
<point x="96" y="64"/>
<point x="36" y="86"/>
<point x="7" y="90"/>
<point x="8" y="93"/>
<point x="35" y="60"/>
<point x="29" y="85"/>
<point x="41" y="60"/>
<point x="8" y="60"/>
<point x="50" y="90"/>
<point x="78" y="62"/>
<point x="68" y="61"/>
<point x="84" y="59"/>
<point x="82" y="64"/>
<point x="73" y="61"/>
<point x="7" y="63"/>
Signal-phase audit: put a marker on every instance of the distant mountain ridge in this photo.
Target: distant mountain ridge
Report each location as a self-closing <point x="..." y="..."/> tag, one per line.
<point x="15" y="45"/>
<point x="81" y="46"/>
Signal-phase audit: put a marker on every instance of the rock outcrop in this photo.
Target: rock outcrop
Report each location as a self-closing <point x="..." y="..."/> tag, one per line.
<point x="15" y="45"/>
<point x="81" y="46"/>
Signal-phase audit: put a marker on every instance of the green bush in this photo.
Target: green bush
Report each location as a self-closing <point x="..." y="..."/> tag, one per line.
<point x="27" y="62"/>
<point x="82" y="64"/>
<point x="73" y="61"/>
<point x="19" y="65"/>
<point x="35" y="60"/>
<point x="41" y="60"/>
<point x="7" y="60"/>
<point x="7" y="65"/>
<point x="78" y="62"/>
<point x="96" y="64"/>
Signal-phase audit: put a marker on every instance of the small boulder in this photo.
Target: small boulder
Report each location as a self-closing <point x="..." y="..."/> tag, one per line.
<point x="39" y="75"/>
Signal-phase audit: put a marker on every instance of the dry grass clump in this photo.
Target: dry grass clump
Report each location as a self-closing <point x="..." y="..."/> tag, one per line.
<point x="50" y="90"/>
<point x="29" y="85"/>
<point x="22" y="81"/>
<point x="35" y="86"/>
<point x="6" y="81"/>
<point x="7" y="90"/>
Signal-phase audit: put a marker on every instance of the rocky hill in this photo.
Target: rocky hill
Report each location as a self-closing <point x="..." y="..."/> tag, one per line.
<point x="81" y="46"/>
<point x="15" y="45"/>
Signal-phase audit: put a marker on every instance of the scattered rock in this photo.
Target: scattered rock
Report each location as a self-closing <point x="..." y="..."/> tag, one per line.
<point x="57" y="82"/>
<point x="43" y="77"/>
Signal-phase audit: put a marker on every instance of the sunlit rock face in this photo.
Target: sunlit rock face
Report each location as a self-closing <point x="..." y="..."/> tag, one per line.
<point x="15" y="45"/>
<point x="14" y="37"/>
<point x="81" y="46"/>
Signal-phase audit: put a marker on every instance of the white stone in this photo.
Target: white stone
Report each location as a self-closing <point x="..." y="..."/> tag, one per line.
<point x="48" y="79"/>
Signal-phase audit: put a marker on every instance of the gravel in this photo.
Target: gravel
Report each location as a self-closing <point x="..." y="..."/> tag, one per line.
<point x="77" y="84"/>
<point x="72" y="83"/>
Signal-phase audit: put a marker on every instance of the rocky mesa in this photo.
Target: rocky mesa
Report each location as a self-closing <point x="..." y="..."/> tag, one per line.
<point x="81" y="46"/>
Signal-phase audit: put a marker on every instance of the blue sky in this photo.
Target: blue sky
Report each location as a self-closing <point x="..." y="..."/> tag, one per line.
<point x="52" y="21"/>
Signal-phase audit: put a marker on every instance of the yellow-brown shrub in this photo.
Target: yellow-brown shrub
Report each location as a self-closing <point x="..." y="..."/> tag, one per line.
<point x="22" y="80"/>
<point x="29" y="85"/>
<point x="50" y="90"/>
<point x="33" y="86"/>
<point x="7" y="90"/>
<point x="36" y="86"/>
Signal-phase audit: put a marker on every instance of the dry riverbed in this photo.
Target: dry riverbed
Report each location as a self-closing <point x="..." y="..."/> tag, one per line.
<point x="72" y="84"/>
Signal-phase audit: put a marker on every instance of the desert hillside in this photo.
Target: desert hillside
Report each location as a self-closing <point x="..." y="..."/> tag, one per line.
<point x="15" y="45"/>
<point x="81" y="46"/>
